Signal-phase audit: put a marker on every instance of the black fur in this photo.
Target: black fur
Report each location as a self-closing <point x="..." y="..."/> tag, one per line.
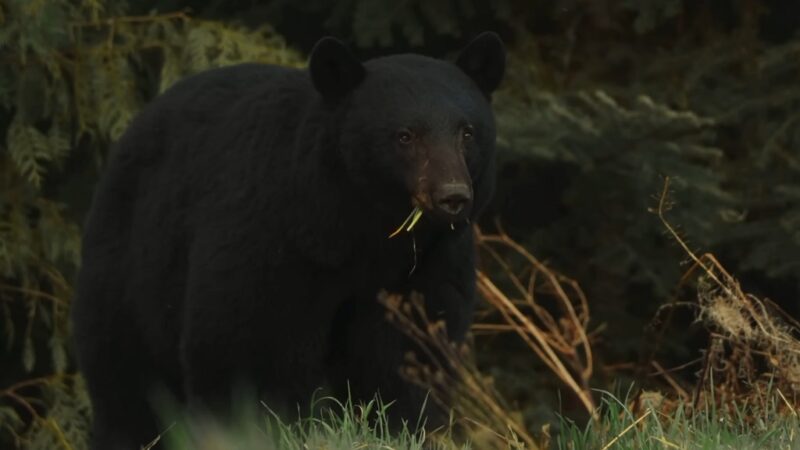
<point x="240" y="233"/>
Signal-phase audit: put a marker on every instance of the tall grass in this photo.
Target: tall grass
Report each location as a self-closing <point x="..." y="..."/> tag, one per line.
<point x="623" y="422"/>
<point x="329" y="424"/>
<point x="651" y="428"/>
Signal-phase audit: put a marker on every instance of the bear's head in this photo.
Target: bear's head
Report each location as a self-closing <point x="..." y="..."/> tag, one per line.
<point x="415" y="133"/>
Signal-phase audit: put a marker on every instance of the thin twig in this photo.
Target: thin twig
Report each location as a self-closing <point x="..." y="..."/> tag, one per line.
<point x="627" y="429"/>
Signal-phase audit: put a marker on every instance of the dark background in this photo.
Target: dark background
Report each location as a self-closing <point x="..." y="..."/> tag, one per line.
<point x="602" y="99"/>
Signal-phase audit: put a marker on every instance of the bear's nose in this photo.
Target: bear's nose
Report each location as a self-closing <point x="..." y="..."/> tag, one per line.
<point x="451" y="198"/>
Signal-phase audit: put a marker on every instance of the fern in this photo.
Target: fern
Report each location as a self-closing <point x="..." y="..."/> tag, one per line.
<point x="203" y="45"/>
<point x="30" y="149"/>
<point x="115" y="96"/>
<point x="68" y="421"/>
<point x="200" y="41"/>
<point x="73" y="84"/>
<point x="633" y="141"/>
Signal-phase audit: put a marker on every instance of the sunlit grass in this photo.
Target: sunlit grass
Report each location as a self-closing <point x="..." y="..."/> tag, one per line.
<point x="743" y="428"/>
<point x="332" y="425"/>
<point x="347" y="426"/>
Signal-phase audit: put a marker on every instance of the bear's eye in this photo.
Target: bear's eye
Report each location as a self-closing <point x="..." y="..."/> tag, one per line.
<point x="404" y="137"/>
<point x="468" y="133"/>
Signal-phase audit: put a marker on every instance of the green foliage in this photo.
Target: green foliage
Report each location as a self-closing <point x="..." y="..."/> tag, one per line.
<point x="634" y="141"/>
<point x="74" y="74"/>
<point x="68" y="417"/>
<point x="386" y="23"/>
<point x="716" y="113"/>
<point x="661" y="426"/>
<point x="754" y="98"/>
<point x="210" y="44"/>
<point x="329" y="424"/>
<point x="30" y="149"/>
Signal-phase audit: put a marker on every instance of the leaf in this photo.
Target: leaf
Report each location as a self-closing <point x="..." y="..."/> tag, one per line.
<point x="115" y="96"/>
<point x="30" y="149"/>
<point x="10" y="416"/>
<point x="171" y="70"/>
<point x="59" y="239"/>
<point x="199" y="43"/>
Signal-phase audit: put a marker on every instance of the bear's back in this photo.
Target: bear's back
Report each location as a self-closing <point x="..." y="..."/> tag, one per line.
<point x="209" y="100"/>
<point x="199" y="122"/>
<point x="176" y="151"/>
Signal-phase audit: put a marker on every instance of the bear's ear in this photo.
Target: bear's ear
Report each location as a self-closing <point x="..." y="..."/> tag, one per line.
<point x="335" y="71"/>
<point x="484" y="60"/>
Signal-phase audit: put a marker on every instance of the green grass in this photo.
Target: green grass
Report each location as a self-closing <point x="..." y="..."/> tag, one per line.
<point x="334" y="426"/>
<point x="741" y="428"/>
<point x="344" y="426"/>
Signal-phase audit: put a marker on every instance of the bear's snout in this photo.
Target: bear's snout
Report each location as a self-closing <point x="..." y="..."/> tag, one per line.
<point x="452" y="199"/>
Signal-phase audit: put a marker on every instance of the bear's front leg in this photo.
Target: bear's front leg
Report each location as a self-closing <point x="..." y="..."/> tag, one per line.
<point x="251" y="334"/>
<point x="372" y="350"/>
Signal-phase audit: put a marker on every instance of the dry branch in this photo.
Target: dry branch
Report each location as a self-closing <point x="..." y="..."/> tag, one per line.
<point x="561" y="342"/>
<point x="557" y="335"/>
<point x="754" y="353"/>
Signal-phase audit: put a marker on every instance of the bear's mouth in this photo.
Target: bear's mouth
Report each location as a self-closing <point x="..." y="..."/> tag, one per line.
<point x="420" y="203"/>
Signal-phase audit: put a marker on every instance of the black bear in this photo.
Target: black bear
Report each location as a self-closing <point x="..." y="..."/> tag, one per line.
<point x="242" y="232"/>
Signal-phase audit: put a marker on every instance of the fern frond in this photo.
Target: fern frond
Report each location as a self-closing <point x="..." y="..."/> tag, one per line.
<point x="200" y="41"/>
<point x="29" y="149"/>
<point x="115" y="96"/>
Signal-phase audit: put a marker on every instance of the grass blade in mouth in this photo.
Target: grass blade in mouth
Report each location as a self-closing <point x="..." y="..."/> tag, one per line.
<point x="417" y="214"/>
<point x="411" y="221"/>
